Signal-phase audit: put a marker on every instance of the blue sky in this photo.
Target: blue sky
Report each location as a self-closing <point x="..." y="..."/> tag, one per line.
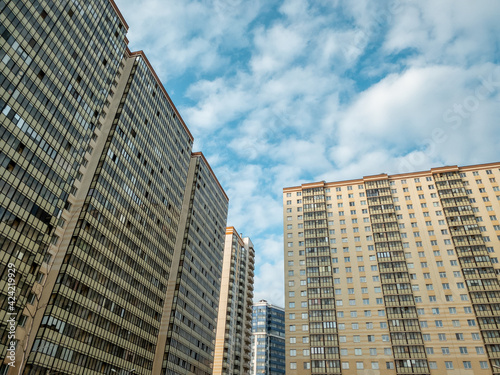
<point x="278" y="93"/>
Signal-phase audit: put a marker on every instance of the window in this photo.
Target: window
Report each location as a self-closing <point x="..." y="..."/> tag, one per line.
<point x="359" y="365"/>
<point x="358" y="351"/>
<point x="22" y="320"/>
<point x="31" y="298"/>
<point x="483" y="364"/>
<point x="467" y="364"/>
<point x="433" y="365"/>
<point x="459" y="336"/>
<point x="463" y="350"/>
<point x="445" y="351"/>
<point x="293" y="353"/>
<point x="442" y="336"/>
<point x="375" y="366"/>
<point x="448" y="365"/>
<point x="479" y="350"/>
<point x="293" y="365"/>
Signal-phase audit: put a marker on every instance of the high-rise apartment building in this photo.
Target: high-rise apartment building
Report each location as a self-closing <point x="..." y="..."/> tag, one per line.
<point x="111" y="228"/>
<point x="190" y="314"/>
<point x="232" y="348"/>
<point x="268" y="339"/>
<point x="394" y="274"/>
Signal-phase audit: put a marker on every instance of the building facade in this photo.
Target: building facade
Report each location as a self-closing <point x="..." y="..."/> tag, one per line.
<point x="112" y="230"/>
<point x="394" y="274"/>
<point x="268" y="339"/>
<point x="191" y="311"/>
<point x="232" y="347"/>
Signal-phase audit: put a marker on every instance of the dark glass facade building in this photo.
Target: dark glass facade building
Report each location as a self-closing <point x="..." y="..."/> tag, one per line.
<point x="57" y="64"/>
<point x="194" y="289"/>
<point x="114" y="227"/>
<point x="268" y="339"/>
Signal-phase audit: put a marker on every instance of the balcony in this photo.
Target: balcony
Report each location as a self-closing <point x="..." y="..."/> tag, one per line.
<point x="395" y="291"/>
<point x="491" y="340"/>
<point x="455" y="202"/>
<point x="399" y="303"/>
<point x="412" y="370"/>
<point x="409" y="355"/>
<point x="403" y="316"/>
<point x="450" y="193"/>
<point x="447" y="176"/>
<point x="404" y="328"/>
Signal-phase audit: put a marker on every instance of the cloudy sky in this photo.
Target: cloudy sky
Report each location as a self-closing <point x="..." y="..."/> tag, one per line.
<point x="278" y="93"/>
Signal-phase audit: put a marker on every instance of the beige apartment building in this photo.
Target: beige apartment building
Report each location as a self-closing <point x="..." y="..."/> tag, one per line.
<point x="234" y="327"/>
<point x="394" y="274"/>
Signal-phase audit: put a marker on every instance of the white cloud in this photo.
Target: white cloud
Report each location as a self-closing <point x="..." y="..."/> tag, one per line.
<point x="276" y="48"/>
<point x="448" y="31"/>
<point x="182" y="35"/>
<point x="269" y="283"/>
<point x="448" y="117"/>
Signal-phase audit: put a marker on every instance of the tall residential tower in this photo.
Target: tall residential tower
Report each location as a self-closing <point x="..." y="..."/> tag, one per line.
<point x="394" y="274"/>
<point x="232" y="348"/>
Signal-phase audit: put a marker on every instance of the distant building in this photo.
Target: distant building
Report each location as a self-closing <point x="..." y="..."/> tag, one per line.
<point x="394" y="274"/>
<point x="268" y="339"/>
<point x="232" y="348"/>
